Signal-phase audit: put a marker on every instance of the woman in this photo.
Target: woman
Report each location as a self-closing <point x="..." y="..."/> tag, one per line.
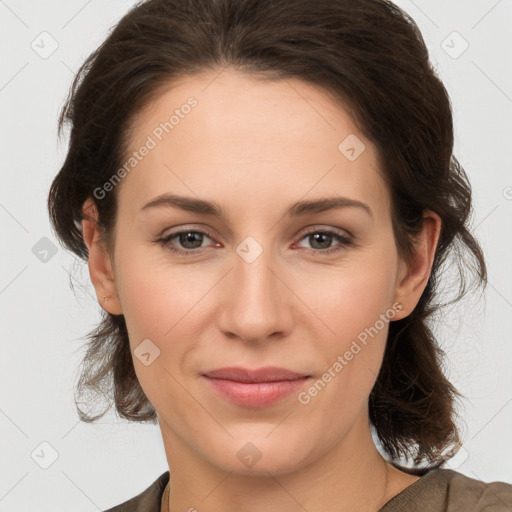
<point x="265" y="193"/>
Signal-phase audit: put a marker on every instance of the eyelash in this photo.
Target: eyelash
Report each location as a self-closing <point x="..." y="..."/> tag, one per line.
<point x="345" y="241"/>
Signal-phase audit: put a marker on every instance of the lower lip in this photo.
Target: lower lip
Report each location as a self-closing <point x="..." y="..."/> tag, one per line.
<point x="255" y="394"/>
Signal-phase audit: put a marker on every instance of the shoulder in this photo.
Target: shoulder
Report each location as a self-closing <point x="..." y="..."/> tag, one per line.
<point x="471" y="494"/>
<point x="446" y="490"/>
<point x="148" y="500"/>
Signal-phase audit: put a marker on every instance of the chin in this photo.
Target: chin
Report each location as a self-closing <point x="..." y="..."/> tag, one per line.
<point x="257" y="453"/>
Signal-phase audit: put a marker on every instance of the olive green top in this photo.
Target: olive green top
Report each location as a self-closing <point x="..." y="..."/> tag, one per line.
<point x="438" y="490"/>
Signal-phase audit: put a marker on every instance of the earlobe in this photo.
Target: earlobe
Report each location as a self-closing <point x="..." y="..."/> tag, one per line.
<point x="99" y="261"/>
<point x="413" y="276"/>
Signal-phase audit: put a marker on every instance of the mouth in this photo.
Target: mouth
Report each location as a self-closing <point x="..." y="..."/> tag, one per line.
<point x="254" y="387"/>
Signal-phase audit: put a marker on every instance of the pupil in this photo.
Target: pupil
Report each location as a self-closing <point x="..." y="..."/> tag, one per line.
<point x="322" y="235"/>
<point x="189" y="237"/>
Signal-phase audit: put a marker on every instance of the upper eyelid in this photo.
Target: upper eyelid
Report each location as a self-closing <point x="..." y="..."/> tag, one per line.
<point x="337" y="231"/>
<point x="314" y="228"/>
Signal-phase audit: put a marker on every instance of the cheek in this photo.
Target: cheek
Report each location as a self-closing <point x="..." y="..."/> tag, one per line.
<point x="353" y="355"/>
<point x="158" y="304"/>
<point x="357" y="308"/>
<point x="159" y="300"/>
<point x="356" y="296"/>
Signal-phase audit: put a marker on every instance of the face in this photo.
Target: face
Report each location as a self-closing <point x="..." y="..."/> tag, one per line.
<point x="256" y="278"/>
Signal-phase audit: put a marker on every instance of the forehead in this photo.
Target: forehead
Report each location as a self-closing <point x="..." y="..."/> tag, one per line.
<point x="214" y="133"/>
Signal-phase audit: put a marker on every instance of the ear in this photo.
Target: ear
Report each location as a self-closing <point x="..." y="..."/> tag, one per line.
<point x="412" y="276"/>
<point x="100" y="265"/>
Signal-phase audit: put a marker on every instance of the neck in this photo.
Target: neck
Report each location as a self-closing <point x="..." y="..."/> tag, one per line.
<point x="352" y="475"/>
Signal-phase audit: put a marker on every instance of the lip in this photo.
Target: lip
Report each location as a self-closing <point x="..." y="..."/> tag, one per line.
<point x="266" y="374"/>
<point x="254" y="387"/>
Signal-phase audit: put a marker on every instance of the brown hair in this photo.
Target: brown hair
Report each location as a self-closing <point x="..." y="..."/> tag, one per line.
<point x="371" y="57"/>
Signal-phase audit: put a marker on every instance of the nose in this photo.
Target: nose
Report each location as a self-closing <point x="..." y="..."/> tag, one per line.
<point x="256" y="302"/>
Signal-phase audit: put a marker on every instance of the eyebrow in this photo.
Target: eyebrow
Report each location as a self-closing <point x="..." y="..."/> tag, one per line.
<point x="191" y="204"/>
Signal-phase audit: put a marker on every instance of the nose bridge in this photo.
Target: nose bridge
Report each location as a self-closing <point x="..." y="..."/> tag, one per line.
<point x="255" y="307"/>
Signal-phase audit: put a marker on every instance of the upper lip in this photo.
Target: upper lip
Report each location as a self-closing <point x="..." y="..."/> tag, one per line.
<point x="266" y="374"/>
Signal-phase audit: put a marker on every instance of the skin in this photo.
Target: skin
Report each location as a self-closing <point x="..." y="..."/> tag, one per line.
<point x="255" y="148"/>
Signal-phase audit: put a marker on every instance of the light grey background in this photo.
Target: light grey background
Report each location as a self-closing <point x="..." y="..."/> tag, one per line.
<point x="43" y="324"/>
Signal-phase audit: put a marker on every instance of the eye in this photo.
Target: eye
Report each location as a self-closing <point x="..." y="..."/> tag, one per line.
<point x="192" y="240"/>
<point x="188" y="238"/>
<point x="323" y="239"/>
